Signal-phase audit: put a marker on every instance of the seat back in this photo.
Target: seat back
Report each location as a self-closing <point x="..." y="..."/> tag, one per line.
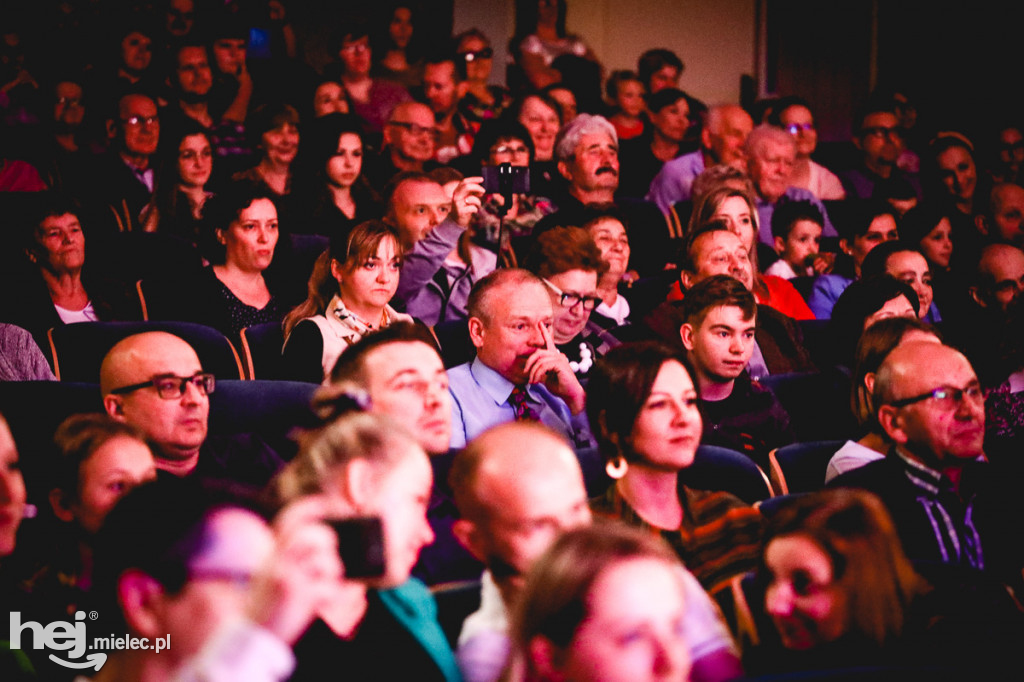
<point x="78" y="349"/>
<point x="261" y="350"/>
<point x="718" y="468"/>
<point x="818" y="403"/>
<point x="34" y="410"/>
<point x="453" y="338"/>
<point x="270" y="409"/>
<point x="800" y="467"/>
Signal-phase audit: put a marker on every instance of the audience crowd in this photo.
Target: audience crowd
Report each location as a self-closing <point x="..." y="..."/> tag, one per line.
<point x="386" y="371"/>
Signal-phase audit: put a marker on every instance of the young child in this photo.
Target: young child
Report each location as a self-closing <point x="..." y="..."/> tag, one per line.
<point x="626" y="93"/>
<point x="797" y="227"/>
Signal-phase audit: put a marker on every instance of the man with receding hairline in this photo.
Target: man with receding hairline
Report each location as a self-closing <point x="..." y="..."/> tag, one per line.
<point x="518" y="373"/>
<point x="155" y="382"/>
<point x="518" y="487"/>
<point x="931" y="407"/>
<point x="722" y="140"/>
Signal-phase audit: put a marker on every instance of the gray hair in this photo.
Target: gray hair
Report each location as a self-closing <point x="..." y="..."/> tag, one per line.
<point x="763" y="134"/>
<point x="584" y="124"/>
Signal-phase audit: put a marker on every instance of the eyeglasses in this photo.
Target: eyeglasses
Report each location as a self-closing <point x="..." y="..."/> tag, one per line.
<point x="70" y="101"/>
<point x="515" y="151"/>
<point x="946" y="397"/>
<point x="240" y="579"/>
<point x="135" y="121"/>
<point x="171" y="387"/>
<point x="796" y="128"/>
<point x="571" y="300"/>
<point x="882" y="131"/>
<point x="485" y="53"/>
<point x="358" y="48"/>
<point x="415" y="129"/>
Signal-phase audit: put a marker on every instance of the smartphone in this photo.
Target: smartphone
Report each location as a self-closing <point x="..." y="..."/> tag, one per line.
<point x="506" y="179"/>
<point x="360" y="546"/>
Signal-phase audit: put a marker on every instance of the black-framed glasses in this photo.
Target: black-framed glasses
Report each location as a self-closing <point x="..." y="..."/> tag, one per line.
<point x="882" y="131"/>
<point x="796" y="128"/>
<point x="946" y="397"/>
<point x="135" y="121"/>
<point x="171" y="387"/>
<point x="570" y="300"/>
<point x="415" y="129"/>
<point x="485" y="53"/>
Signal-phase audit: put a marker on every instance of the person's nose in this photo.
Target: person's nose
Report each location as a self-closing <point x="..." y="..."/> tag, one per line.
<point x="537" y="336"/>
<point x="192" y="395"/>
<point x="778" y="601"/>
<point x="671" y="655"/>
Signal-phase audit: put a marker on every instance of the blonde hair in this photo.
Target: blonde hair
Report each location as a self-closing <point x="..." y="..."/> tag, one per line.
<point x="555" y="599"/>
<point x="326" y="453"/>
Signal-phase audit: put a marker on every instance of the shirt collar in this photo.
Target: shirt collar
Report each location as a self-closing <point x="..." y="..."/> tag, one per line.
<point x="495" y="385"/>
<point x="920" y="475"/>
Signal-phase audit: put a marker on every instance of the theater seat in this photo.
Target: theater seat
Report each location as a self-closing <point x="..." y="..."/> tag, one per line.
<point x="78" y="349"/>
<point x="270" y="409"/>
<point x="261" y="350"/>
<point x="453" y="338"/>
<point x="34" y="410"/>
<point x="718" y="468"/>
<point x="800" y="467"/>
<point x="818" y="403"/>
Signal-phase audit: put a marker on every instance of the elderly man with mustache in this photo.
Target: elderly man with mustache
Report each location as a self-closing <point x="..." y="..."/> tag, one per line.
<point x="587" y="150"/>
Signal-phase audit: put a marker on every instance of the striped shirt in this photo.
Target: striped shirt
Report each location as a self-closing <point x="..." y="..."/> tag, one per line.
<point x="720" y="535"/>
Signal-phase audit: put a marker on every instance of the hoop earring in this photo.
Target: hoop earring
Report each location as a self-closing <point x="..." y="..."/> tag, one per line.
<point x="616" y="468"/>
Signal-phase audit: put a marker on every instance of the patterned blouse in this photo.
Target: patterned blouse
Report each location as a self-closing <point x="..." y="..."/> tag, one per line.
<point x="720" y="535"/>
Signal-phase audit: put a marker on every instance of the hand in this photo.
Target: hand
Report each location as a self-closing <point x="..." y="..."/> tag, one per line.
<point x="302" y="573"/>
<point x="466" y="200"/>
<point x="823" y="263"/>
<point x="549" y="366"/>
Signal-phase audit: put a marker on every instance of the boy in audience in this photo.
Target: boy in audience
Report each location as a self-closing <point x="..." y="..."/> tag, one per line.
<point x="796" y="229"/>
<point x="719" y="320"/>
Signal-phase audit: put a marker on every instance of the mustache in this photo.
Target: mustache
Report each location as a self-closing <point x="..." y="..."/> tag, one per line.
<point x="607" y="169"/>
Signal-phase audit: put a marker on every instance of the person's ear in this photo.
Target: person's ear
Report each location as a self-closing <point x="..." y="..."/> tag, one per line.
<point x="60" y="507"/>
<point x="705" y="138"/>
<point x="389" y="135"/>
<point x="114" y="406"/>
<point x="361" y="484"/>
<point x="31" y="255"/>
<point x="222" y="237"/>
<point x="461" y="89"/>
<point x="892" y="423"/>
<point x="977" y="296"/>
<point x="780" y="245"/>
<point x="476" y="331"/>
<point x="869" y="382"/>
<point x="981" y="223"/>
<point x="336" y="270"/>
<point x="564" y="170"/>
<point x="686" y="335"/>
<point x="857" y="143"/>
<point x="470" y="537"/>
<point x="546" y="658"/>
<point x="686" y="279"/>
<point x="111" y="129"/>
<point x="846" y="246"/>
<point x="140" y="597"/>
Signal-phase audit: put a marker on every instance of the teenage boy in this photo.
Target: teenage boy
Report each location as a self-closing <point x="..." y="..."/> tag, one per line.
<point x="719" y="321"/>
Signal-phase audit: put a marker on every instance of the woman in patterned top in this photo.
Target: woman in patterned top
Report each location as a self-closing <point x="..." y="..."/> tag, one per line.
<point x="349" y="291"/>
<point x="642" y="407"/>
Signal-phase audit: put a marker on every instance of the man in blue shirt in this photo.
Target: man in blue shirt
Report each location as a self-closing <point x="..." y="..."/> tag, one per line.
<point x="518" y="374"/>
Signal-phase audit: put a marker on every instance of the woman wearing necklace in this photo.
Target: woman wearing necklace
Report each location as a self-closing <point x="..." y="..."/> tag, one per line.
<point x="570" y="264"/>
<point x="349" y="291"/>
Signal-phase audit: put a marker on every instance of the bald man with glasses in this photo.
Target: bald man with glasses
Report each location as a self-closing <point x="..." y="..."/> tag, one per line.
<point x="155" y="382"/>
